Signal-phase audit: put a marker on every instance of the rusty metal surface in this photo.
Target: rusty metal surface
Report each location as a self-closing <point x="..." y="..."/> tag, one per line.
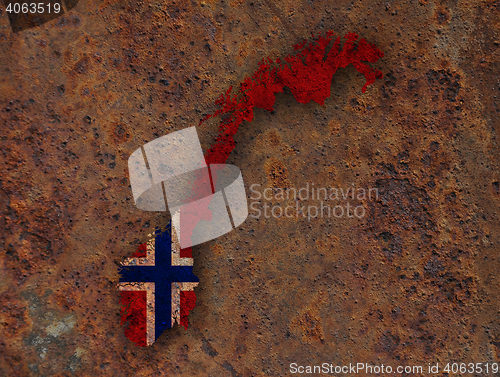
<point x="415" y="281"/>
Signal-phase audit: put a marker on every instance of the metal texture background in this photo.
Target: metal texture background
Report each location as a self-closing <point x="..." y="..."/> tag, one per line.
<point x="415" y="281"/>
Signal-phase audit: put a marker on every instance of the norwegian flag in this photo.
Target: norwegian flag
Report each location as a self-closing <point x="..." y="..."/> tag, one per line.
<point x="157" y="287"/>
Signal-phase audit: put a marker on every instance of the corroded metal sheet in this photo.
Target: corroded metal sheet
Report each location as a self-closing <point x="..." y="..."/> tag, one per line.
<point x="413" y="281"/>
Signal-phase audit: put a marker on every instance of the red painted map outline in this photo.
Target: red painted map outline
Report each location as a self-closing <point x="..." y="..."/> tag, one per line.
<point x="308" y="72"/>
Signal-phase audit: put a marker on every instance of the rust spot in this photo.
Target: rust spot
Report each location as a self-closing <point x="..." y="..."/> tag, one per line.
<point x="388" y="343"/>
<point x="310" y="326"/>
<point x="273" y="138"/>
<point x="71" y="20"/>
<point x="446" y="81"/>
<point x="496" y="187"/>
<point x="277" y="173"/>
<point x="41" y="42"/>
<point x="442" y="16"/>
<point x="119" y="132"/>
<point x="81" y="67"/>
<point x="13" y="315"/>
<point x="218" y="249"/>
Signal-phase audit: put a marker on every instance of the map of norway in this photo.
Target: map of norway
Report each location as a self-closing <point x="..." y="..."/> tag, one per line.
<point x="206" y="197"/>
<point x="157" y="283"/>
